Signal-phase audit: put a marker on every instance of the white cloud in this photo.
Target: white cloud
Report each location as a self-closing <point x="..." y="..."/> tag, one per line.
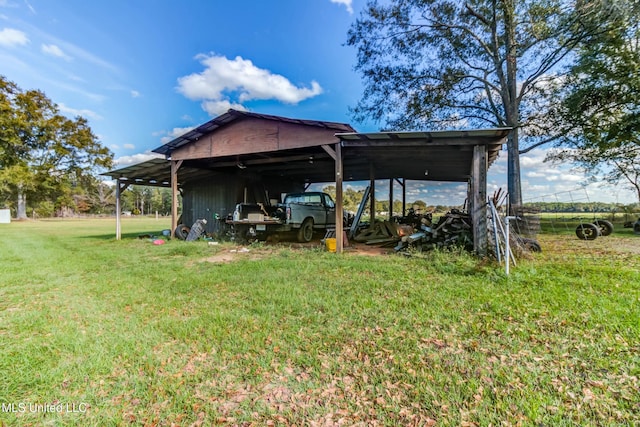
<point x="73" y="50"/>
<point x="535" y="174"/>
<point x="129" y="146"/>
<point x="10" y="37"/>
<point x="534" y="158"/>
<point x="231" y="82"/>
<point x="215" y="108"/>
<point x="76" y="89"/>
<point x="78" y="52"/>
<point x="79" y="112"/>
<point x="124" y="161"/>
<point x="556" y="182"/>
<point x="346" y="3"/>
<point x="135" y="94"/>
<point x="54" y="50"/>
<point x="173" y="134"/>
<point x="567" y="177"/>
<point x="30" y="7"/>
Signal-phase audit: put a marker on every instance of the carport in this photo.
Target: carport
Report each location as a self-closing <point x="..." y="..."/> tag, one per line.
<point x="290" y="154"/>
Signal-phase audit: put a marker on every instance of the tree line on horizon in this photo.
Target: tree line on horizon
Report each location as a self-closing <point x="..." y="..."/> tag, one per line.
<point x="560" y="73"/>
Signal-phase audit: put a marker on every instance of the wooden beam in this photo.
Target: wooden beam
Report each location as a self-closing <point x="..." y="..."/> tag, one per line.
<point x="372" y="206"/>
<point x="390" y="199"/>
<point x="330" y="151"/>
<point x="267" y="160"/>
<point x="478" y="200"/>
<point x="418" y="142"/>
<point x="120" y="187"/>
<point x="175" y="165"/>
<point x="404" y="196"/>
<point x="339" y="201"/>
<point x="118" y="211"/>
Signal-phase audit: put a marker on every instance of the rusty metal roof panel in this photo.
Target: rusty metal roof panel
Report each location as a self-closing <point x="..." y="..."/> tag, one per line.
<point x="446" y="137"/>
<point x="154" y="172"/>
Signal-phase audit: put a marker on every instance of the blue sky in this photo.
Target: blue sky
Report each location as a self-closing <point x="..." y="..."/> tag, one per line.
<point x="142" y="72"/>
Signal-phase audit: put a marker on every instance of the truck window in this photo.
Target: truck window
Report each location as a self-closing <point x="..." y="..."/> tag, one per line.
<point x="314" y="198"/>
<point x="328" y="201"/>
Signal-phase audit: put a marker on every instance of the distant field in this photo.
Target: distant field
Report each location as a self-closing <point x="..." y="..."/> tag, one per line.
<point x="566" y="222"/>
<point x="95" y="331"/>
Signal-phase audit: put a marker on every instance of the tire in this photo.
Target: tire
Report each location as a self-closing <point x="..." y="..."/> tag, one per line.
<point x="606" y="227"/>
<point x="240" y="234"/>
<point x="587" y="231"/>
<point x="305" y="233"/>
<point x="181" y="232"/>
<point x="531" y="245"/>
<point x="636" y="227"/>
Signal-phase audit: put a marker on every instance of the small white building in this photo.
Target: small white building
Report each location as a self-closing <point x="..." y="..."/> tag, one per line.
<point x="5" y="216"/>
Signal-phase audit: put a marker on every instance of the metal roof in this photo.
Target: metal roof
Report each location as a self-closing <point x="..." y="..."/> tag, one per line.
<point x="442" y="137"/>
<point x="233" y="115"/>
<point x="154" y="172"/>
<point x="421" y="155"/>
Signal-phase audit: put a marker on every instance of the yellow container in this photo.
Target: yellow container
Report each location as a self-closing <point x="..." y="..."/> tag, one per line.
<point x="331" y="244"/>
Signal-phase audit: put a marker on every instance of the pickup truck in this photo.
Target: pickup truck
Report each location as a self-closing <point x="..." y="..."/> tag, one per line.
<point x="302" y="213"/>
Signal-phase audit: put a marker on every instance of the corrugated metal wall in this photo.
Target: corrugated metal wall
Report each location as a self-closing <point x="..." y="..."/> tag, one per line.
<point x="220" y="194"/>
<point x="204" y="199"/>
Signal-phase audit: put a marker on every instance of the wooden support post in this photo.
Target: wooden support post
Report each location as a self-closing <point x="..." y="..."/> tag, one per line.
<point x="339" y="202"/>
<point x="336" y="155"/>
<point x="372" y="199"/>
<point x="118" y="211"/>
<point x="404" y="196"/>
<point x="175" y="165"/>
<point x="478" y="200"/>
<point x="390" y="199"/>
<point x="120" y="187"/>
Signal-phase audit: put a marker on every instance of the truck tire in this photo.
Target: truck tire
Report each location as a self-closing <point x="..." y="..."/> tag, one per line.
<point x="305" y="233"/>
<point x="182" y="231"/>
<point x="531" y="245"/>
<point x="240" y="233"/>
<point x="606" y="227"/>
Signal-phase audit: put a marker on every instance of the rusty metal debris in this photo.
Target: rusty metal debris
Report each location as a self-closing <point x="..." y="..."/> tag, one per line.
<point x="420" y="232"/>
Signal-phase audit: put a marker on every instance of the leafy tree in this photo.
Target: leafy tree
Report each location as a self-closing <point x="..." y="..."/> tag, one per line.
<point x="103" y="197"/>
<point x="43" y="153"/>
<point x="14" y="139"/>
<point x="141" y="199"/>
<point x="446" y="63"/>
<point x="600" y="112"/>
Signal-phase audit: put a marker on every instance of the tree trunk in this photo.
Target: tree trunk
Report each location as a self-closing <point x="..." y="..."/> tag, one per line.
<point x="514" y="185"/>
<point x="21" y="209"/>
<point x="512" y="108"/>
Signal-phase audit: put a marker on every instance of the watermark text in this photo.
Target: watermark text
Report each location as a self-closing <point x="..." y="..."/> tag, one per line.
<point x="43" y="408"/>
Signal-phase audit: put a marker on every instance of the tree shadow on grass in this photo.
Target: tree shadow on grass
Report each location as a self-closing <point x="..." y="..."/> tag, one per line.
<point x="132" y="235"/>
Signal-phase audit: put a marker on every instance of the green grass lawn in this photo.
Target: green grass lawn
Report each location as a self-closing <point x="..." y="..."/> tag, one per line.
<point x="128" y="333"/>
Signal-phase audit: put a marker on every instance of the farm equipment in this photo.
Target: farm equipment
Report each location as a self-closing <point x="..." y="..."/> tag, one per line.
<point x="591" y="231"/>
<point x="634" y="225"/>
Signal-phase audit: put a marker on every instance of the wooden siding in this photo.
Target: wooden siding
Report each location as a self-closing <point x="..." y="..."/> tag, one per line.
<point x="254" y="135"/>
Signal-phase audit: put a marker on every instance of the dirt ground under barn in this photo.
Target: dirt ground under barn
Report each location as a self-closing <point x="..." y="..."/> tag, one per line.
<point x="553" y="246"/>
